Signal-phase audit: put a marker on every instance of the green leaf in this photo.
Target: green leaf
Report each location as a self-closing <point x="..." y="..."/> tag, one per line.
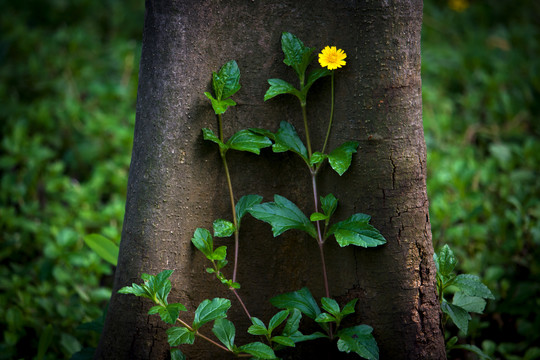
<point x="257" y="330"/>
<point x="86" y="353"/>
<point x="105" y="248"/>
<point x="325" y="317"/>
<point x="349" y="308"/>
<point x="68" y="342"/>
<point x="202" y="239"/>
<point x="168" y="313"/>
<point x="257" y="321"/>
<point x="221" y="263"/>
<point x="283" y="340"/>
<point x="459" y="316"/>
<point x="259" y="350"/>
<point x="258" y="327"/>
<point x="45" y="341"/>
<point x="245" y="203"/>
<point x="219" y="254"/>
<point x="317" y="216"/>
<point x="329" y="204"/>
<point x="263" y="132"/>
<point x="210" y="136"/>
<point x="220" y="106"/>
<point x="160" y="285"/>
<point x="279" y="87"/>
<point x="358" y="339"/>
<point x="223" y="228"/>
<point x="445" y="261"/>
<point x="136" y="290"/>
<point x="314" y="76"/>
<point x="245" y="140"/>
<point x="531" y="354"/>
<point x="177" y="354"/>
<point x="293" y="322"/>
<point x="472" y="285"/>
<point x="469" y="303"/>
<point x="226" y="82"/>
<point x="331" y="306"/>
<point x="277" y="319"/>
<point x="180" y="335"/>
<point x="474" y="349"/>
<point x="301" y="300"/>
<point x="296" y="54"/>
<point x="209" y="310"/>
<point x="451" y="342"/>
<point x="356" y="231"/>
<point x="225" y="332"/>
<point x="341" y="157"/>
<point x="155" y="288"/>
<point x="279" y="148"/>
<point x="316" y="158"/>
<point x="298" y="336"/>
<point x="283" y="215"/>
<point x="287" y="138"/>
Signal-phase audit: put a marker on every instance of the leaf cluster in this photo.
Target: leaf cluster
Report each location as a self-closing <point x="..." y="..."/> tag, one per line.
<point x="157" y="289"/>
<point x="469" y="294"/>
<point x="226" y="82"/>
<point x="243" y="140"/>
<point x="357" y="339"/>
<point x="202" y="239"/>
<point x="282" y="214"/>
<point x="298" y="56"/>
<point x="286" y="138"/>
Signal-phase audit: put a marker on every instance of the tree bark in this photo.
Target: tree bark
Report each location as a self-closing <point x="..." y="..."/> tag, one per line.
<point x="176" y="181"/>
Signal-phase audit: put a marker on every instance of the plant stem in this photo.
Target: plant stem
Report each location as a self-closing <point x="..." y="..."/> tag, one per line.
<point x="241" y="302"/>
<point x="306" y="128"/>
<point x="331" y="113"/>
<point x="235" y="221"/>
<point x="231" y="196"/>
<point x="212" y="341"/>
<point x="320" y="239"/>
<point x="197" y="333"/>
<point x="220" y="125"/>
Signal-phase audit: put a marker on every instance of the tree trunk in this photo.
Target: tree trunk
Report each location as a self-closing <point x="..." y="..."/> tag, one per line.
<point x="177" y="183"/>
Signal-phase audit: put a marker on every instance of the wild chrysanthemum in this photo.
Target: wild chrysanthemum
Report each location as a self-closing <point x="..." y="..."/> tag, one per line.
<point x="332" y="58"/>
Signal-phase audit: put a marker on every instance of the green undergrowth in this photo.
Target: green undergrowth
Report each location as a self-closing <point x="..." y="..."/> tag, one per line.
<point x="481" y="85"/>
<point x="69" y="73"/>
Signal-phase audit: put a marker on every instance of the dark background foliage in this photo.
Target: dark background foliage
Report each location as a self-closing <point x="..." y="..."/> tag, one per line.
<point x="68" y="73"/>
<point x="481" y="87"/>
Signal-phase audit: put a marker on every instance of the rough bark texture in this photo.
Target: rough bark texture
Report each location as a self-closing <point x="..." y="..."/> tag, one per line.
<point x="177" y="183"/>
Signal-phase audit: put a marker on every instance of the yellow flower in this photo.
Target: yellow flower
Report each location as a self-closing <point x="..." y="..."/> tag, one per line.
<point x="332" y="58"/>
